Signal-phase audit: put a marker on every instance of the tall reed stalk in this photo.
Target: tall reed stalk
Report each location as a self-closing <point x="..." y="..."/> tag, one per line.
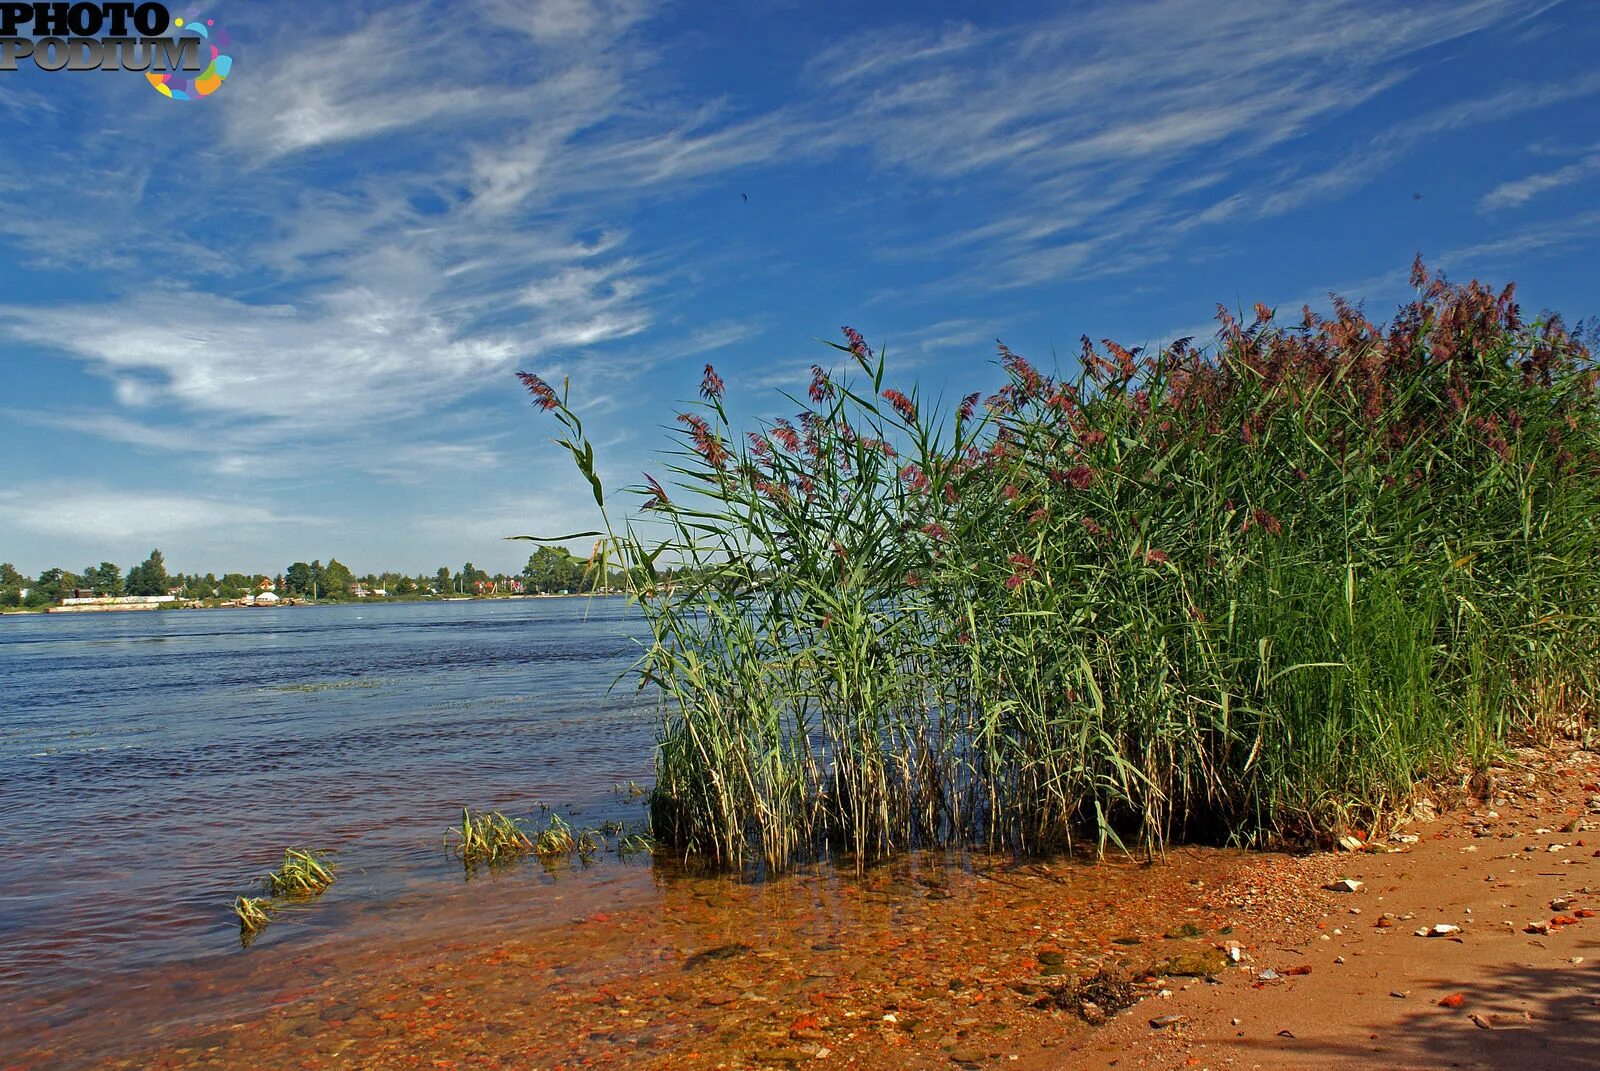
<point x="1256" y="590"/>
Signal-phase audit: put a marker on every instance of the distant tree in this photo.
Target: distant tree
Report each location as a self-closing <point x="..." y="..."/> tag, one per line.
<point x="149" y="577"/>
<point x="403" y="585"/>
<point x="54" y="585"/>
<point x="12" y="584"/>
<point x="552" y="569"/>
<point x="336" y="579"/>
<point x="441" y="579"/>
<point x="234" y="585"/>
<point x="105" y="579"/>
<point x="297" y="579"/>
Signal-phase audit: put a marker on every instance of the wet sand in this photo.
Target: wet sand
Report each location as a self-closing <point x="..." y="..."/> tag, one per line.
<point x="930" y="961"/>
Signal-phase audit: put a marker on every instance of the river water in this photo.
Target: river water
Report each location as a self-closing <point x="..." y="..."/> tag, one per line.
<point x="154" y="765"/>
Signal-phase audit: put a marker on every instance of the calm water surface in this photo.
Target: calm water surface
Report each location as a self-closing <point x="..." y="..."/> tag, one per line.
<point x="153" y="764"/>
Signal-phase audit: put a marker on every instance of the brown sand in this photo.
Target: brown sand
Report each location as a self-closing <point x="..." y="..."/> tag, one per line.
<point x="1372" y="995"/>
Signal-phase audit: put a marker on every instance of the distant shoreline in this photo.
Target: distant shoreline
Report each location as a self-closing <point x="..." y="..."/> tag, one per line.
<point x="41" y="611"/>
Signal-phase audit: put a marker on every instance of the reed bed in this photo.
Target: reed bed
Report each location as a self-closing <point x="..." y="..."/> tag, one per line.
<point x="1252" y="591"/>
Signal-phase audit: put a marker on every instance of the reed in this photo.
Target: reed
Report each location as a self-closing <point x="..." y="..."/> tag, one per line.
<point x="1253" y="591"/>
<point x="304" y="873"/>
<point x="490" y="837"/>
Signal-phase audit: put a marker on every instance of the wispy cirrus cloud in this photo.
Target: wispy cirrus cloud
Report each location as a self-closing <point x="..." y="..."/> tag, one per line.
<point x="1518" y="192"/>
<point x="1107" y="137"/>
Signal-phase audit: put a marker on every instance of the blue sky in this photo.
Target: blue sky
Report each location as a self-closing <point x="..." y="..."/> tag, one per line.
<point x="280" y="323"/>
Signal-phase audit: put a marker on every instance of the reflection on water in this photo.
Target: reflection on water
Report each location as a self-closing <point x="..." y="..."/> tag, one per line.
<point x="152" y="765"/>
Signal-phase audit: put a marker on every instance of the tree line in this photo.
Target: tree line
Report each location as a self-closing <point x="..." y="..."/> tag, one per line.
<point x="550" y="570"/>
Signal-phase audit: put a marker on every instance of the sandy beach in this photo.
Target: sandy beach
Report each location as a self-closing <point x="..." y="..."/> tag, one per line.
<point x="1352" y="984"/>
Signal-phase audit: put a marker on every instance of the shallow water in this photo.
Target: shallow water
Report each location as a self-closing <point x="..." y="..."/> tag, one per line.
<point x="153" y="765"/>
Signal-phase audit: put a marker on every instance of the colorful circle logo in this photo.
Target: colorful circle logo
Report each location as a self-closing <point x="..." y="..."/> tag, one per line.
<point x="213" y="39"/>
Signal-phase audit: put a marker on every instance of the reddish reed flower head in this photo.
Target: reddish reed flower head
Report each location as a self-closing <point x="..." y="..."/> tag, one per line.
<point x="1155" y="557"/>
<point x="711" y="385"/>
<point x="706" y="443"/>
<point x="787" y="437"/>
<point x="1079" y="477"/>
<point x="821" y="385"/>
<point x="858" y="346"/>
<point x="658" y="497"/>
<point x="1029" y="383"/>
<point x="937" y="531"/>
<point x="968" y="405"/>
<point x="1263" y="519"/>
<point x="902" y="405"/>
<point x="543" y="396"/>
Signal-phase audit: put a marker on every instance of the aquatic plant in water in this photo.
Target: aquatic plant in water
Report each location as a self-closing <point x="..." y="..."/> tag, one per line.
<point x="253" y="913"/>
<point x="489" y="837"/>
<point x="304" y="873"/>
<point x="1253" y="590"/>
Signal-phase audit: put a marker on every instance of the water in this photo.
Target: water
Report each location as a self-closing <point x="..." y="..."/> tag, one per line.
<point x="153" y="764"/>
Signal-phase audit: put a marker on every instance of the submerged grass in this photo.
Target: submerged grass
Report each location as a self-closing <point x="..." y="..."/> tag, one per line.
<point x="1254" y="591"/>
<point x="490" y="837"/>
<point x="304" y="873"/>
<point x="253" y="913"/>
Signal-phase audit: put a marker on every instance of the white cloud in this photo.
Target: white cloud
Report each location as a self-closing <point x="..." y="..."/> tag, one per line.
<point x="356" y="352"/>
<point x="1519" y="192"/>
<point x="101" y="516"/>
<point x="1090" y="136"/>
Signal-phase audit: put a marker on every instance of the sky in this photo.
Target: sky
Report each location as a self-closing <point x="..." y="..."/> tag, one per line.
<point x="280" y="323"/>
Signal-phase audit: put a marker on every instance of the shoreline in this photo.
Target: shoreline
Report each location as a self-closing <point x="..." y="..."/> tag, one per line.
<point x="46" y="610"/>
<point x="917" y="965"/>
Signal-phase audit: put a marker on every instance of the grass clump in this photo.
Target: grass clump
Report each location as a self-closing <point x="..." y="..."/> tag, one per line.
<point x="1256" y="590"/>
<point x="304" y="873"/>
<point x="253" y="913"/>
<point x="559" y="838"/>
<point x="490" y="837"/>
